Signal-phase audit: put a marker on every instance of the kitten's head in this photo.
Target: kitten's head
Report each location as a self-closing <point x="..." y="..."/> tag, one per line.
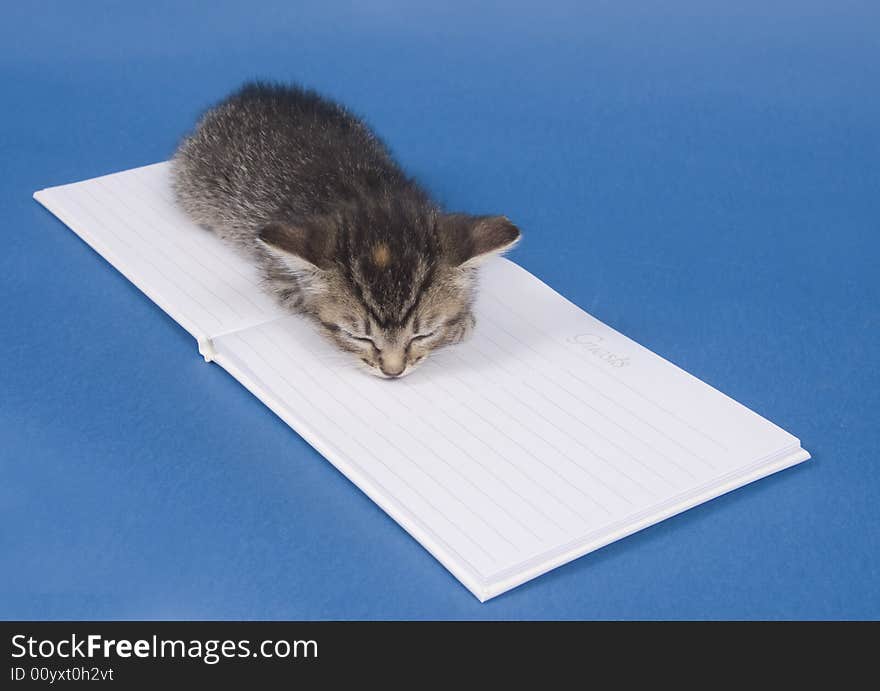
<point x="387" y="286"/>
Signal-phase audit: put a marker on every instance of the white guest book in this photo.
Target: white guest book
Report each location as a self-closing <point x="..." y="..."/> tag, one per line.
<point x="544" y="437"/>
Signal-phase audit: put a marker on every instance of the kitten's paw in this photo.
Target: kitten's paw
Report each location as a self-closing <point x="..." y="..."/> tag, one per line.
<point x="464" y="329"/>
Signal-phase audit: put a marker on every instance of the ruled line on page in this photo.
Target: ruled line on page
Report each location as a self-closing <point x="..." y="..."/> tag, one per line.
<point x="328" y="416"/>
<point x="298" y="412"/>
<point x="620" y="382"/>
<point x="616" y="380"/>
<point x="545" y="375"/>
<point x="160" y="258"/>
<point x="217" y="265"/>
<point x="560" y="386"/>
<point x="496" y="478"/>
<point x="432" y="409"/>
<point x="593" y="431"/>
<point x="425" y="419"/>
<point x="470" y="433"/>
<point x="376" y="405"/>
<point x="192" y="260"/>
<point x="159" y="187"/>
<point x="533" y="410"/>
<point x="121" y="211"/>
<point x="508" y="512"/>
<point x="551" y="445"/>
<point x="535" y="457"/>
<point x="330" y="371"/>
<point x="352" y="392"/>
<point x="281" y="358"/>
<point x="73" y="201"/>
<point x="148" y="244"/>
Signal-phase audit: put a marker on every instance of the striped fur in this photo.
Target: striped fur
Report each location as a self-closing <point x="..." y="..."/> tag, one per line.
<point x="340" y="233"/>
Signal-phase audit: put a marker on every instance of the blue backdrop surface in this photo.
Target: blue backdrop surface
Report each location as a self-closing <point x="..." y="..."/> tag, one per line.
<point x="703" y="176"/>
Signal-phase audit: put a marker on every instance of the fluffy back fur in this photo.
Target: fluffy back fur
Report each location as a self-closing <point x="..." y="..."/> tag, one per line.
<point x="341" y="234"/>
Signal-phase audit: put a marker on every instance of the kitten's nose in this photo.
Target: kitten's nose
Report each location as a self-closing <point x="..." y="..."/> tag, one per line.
<point x="392" y="365"/>
<point x="389" y="373"/>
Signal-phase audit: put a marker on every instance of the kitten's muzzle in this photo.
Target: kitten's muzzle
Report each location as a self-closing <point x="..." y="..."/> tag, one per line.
<point x="392" y="374"/>
<point x="392" y="364"/>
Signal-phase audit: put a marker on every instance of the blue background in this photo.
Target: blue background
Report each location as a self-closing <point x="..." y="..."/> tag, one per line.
<point x="703" y="176"/>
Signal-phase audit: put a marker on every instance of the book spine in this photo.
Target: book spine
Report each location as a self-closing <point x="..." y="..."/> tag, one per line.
<point x="206" y="348"/>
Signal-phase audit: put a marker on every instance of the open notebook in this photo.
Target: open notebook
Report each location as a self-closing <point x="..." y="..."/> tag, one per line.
<point x="544" y="437"/>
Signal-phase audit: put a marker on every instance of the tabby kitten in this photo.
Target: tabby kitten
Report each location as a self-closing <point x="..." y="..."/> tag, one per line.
<point x="337" y="229"/>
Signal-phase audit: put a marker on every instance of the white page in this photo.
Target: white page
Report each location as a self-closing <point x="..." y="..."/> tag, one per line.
<point x="130" y="218"/>
<point x="545" y="436"/>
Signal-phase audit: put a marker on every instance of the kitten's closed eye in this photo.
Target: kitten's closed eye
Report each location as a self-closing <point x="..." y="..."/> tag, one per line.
<point x="362" y="339"/>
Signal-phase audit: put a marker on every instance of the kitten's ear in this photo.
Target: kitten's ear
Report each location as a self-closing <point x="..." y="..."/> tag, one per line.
<point x="472" y="239"/>
<point x="303" y="247"/>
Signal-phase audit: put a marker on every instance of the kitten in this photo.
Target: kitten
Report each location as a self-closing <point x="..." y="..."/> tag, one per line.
<point x="338" y="230"/>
